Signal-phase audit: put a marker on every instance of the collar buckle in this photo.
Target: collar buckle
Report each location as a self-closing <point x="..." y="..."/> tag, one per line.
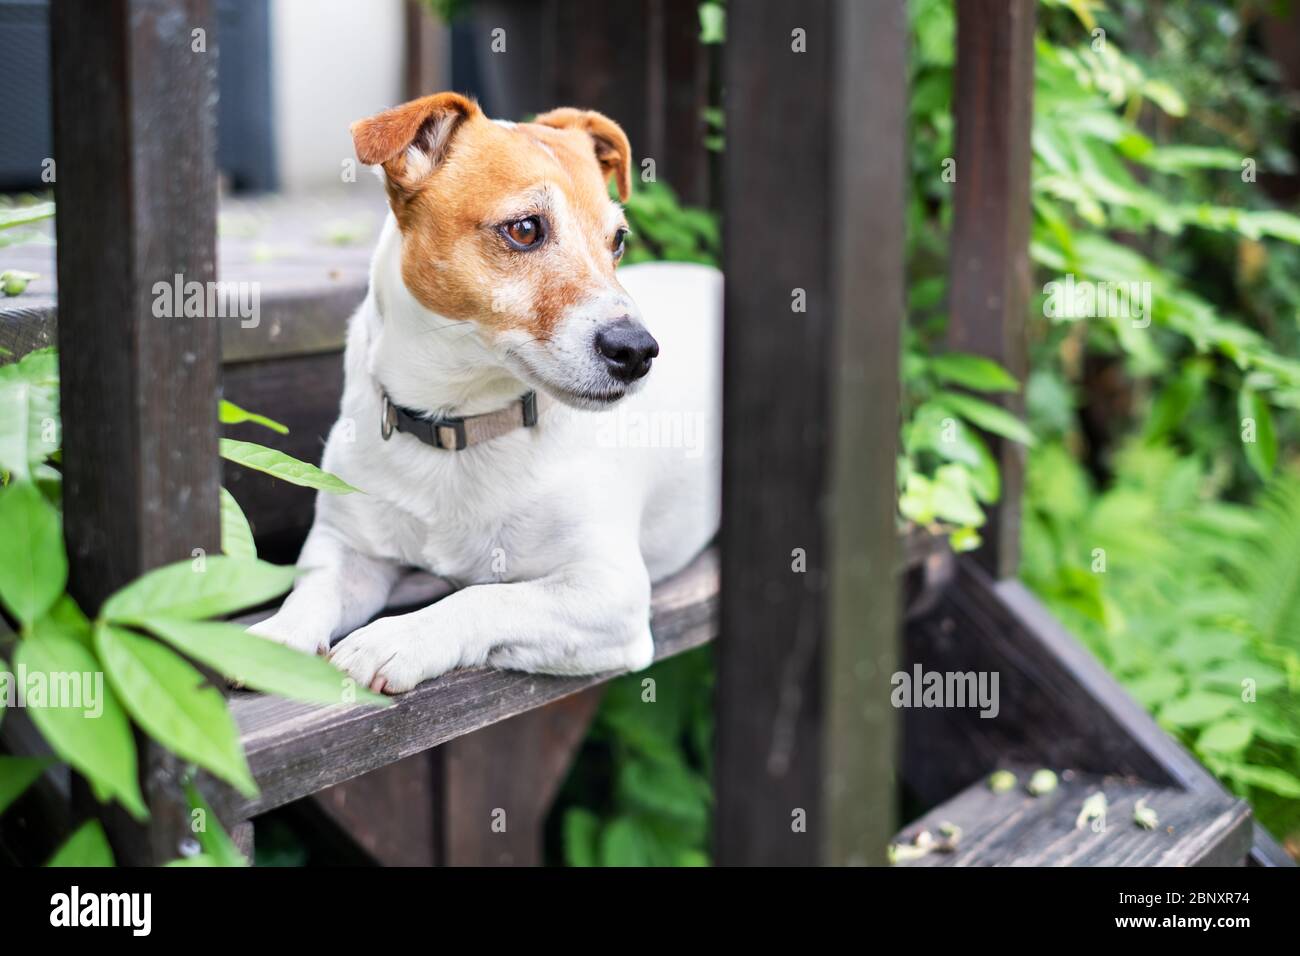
<point x="456" y="426"/>
<point x="387" y="418"/>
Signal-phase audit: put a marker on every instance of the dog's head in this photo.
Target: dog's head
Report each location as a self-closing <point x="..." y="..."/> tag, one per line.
<point x="511" y="227"/>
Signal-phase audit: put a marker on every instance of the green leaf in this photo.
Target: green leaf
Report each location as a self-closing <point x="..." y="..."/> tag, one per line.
<point x="953" y="499"/>
<point x="174" y="703"/>
<point x="212" y="836"/>
<point x="987" y="416"/>
<point x="973" y="371"/>
<point x="581" y="833"/>
<point x="1262" y="452"/>
<point x="1228" y="736"/>
<point x="86" y="847"/>
<point x="236" y="535"/>
<point x="25" y="215"/>
<point x="261" y="664"/>
<point x="16" y="775"/>
<point x="94" y="737"/>
<point x="1272" y="779"/>
<point x="182" y="591"/>
<point x="1196" y="708"/>
<point x="713" y="23"/>
<point x="285" y="467"/>
<point x="664" y="787"/>
<point x="33" y="566"/>
<point x="199" y="859"/>
<point x="29" y="412"/>
<point x="1153" y="689"/>
<point x="231" y="414"/>
<point x="626" y="842"/>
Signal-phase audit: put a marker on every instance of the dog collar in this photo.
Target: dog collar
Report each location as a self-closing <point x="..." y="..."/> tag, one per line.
<point x="457" y="434"/>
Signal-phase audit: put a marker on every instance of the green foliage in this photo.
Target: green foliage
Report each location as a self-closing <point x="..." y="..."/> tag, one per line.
<point x="641" y="796"/>
<point x="664" y="230"/>
<point x="285" y="467"/>
<point x="1193" y="603"/>
<point x="1143" y="171"/>
<point x="88" y="846"/>
<point x="125" y="663"/>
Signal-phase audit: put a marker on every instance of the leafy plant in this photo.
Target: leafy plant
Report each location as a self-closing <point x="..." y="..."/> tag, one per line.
<point x="145" y="634"/>
<point x="640" y="795"/>
<point x="1201" y="621"/>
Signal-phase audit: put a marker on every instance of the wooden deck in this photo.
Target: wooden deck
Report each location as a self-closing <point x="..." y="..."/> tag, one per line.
<point x="1014" y="828"/>
<point x="309" y="255"/>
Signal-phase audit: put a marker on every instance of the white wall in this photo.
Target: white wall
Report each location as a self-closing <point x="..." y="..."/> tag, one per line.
<point x="332" y="62"/>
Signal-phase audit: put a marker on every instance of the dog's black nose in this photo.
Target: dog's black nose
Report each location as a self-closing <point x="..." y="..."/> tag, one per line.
<point x="627" y="349"/>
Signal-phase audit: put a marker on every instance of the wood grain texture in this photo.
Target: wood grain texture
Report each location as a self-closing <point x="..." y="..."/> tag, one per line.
<point x="814" y="162"/>
<point x="309" y="257"/>
<point x="498" y="784"/>
<point x="390" y="813"/>
<point x="1017" y="829"/>
<point x="1057" y="705"/>
<point x="989" y="269"/>
<point x="478" y="800"/>
<point x="134" y="142"/>
<point x="296" y="749"/>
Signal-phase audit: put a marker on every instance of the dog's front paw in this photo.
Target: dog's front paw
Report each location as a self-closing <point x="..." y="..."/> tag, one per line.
<point x="301" y="635"/>
<point x="388" y="656"/>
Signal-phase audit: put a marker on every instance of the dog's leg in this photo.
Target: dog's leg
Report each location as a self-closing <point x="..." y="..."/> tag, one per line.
<point x="339" y="590"/>
<point x="584" y="620"/>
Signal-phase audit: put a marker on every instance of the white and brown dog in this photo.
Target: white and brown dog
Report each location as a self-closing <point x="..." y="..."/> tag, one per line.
<point x="489" y="375"/>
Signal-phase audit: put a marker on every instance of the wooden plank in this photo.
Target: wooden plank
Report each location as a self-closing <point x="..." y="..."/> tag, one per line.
<point x="306" y="257"/>
<point x="815" y="160"/>
<point x="498" y="784"/>
<point x="478" y="800"/>
<point x="135" y="150"/>
<point x="677" y="91"/>
<point x="390" y="813"/>
<point x="989" y="268"/>
<point x="1016" y="829"/>
<point x="1057" y="706"/>
<point x="295" y="749"/>
<point x="598" y="61"/>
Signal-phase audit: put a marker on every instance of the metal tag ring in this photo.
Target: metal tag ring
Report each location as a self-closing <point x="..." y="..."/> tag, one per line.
<point x="387" y="418"/>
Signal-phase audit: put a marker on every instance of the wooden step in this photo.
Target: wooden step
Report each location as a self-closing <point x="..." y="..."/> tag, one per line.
<point x="1014" y="828"/>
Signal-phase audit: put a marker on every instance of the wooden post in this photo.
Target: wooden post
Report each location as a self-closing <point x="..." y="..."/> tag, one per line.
<point x="989" y="265"/>
<point x="641" y="63"/>
<point x="814" y="207"/>
<point x="135" y="152"/>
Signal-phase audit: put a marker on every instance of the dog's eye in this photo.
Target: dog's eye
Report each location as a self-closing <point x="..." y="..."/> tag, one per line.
<point x="618" y="243"/>
<point x="523" y="233"/>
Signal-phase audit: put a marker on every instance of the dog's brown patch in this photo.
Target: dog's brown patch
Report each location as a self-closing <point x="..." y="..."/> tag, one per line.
<point x="473" y="174"/>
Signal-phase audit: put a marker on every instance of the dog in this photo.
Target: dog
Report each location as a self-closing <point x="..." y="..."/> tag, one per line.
<point x="501" y="379"/>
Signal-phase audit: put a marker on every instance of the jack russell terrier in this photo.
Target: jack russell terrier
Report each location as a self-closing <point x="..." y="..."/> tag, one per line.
<point x="483" y="371"/>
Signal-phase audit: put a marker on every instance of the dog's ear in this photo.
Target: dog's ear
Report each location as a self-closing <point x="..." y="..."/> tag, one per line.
<point x="410" y="141"/>
<point x="613" y="151"/>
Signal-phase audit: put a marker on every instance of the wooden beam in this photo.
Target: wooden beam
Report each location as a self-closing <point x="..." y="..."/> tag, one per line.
<point x="1057" y="706"/>
<point x="136" y="187"/>
<point x="498" y="784"/>
<point x="814" y="214"/>
<point x="296" y="749"/>
<point x="989" y="265"/>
